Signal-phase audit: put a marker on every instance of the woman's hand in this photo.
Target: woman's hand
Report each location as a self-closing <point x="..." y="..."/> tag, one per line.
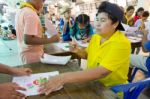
<point x="74" y="47"/>
<point x="86" y="40"/>
<point x="54" y="84"/>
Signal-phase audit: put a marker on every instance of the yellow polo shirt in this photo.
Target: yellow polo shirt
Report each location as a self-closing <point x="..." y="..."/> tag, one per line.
<point x="113" y="55"/>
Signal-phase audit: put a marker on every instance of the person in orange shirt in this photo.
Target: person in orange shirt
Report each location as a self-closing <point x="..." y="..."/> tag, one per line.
<point x="29" y="32"/>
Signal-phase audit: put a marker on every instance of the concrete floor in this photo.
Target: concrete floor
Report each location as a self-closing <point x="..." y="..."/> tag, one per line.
<point x="8" y="56"/>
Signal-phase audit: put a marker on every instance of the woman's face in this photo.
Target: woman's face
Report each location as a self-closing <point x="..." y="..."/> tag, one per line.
<point x="67" y="14"/>
<point x="144" y="18"/>
<point x="103" y="24"/>
<point x="140" y="13"/>
<point x="130" y="12"/>
<point x="51" y="10"/>
<point x="81" y="26"/>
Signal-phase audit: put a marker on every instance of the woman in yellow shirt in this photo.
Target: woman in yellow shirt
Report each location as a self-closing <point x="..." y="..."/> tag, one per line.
<point x="107" y="54"/>
<point x="128" y="19"/>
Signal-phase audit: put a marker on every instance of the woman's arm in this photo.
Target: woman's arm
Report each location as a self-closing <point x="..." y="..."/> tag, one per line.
<point x="81" y="52"/>
<point x="73" y="77"/>
<point x="144" y="39"/>
<point x="65" y="26"/>
<point x="86" y="75"/>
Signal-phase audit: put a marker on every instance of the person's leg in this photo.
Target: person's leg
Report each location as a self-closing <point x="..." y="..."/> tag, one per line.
<point x="132" y="51"/>
<point x="129" y="74"/>
<point x="138" y="50"/>
<point x="138" y="61"/>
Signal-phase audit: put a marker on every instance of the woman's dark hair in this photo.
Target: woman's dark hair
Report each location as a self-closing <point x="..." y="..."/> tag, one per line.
<point x="10" y="26"/>
<point x="113" y="11"/>
<point x="82" y="19"/>
<point x="129" y="8"/>
<point x="5" y="28"/>
<point x="110" y="16"/>
<point x="145" y="14"/>
<point x="139" y="10"/>
<point x="17" y="3"/>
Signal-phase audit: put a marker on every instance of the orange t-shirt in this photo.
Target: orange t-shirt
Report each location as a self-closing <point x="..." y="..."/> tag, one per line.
<point x="28" y="22"/>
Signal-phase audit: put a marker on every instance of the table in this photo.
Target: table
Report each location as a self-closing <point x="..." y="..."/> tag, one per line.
<point x="136" y="43"/>
<point x="90" y="90"/>
<point x="54" y="50"/>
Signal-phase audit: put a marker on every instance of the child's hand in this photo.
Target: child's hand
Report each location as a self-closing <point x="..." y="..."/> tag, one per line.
<point x="21" y="71"/>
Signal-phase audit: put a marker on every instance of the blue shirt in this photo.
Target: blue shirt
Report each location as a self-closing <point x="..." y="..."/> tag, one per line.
<point x="66" y="34"/>
<point x="138" y="23"/>
<point x="147" y="47"/>
<point x="81" y="33"/>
